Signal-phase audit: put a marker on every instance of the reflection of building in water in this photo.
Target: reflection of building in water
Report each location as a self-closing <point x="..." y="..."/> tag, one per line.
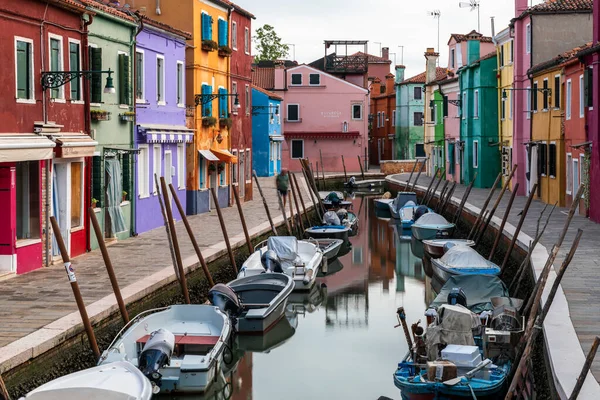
<point x="241" y="379"/>
<point x="348" y="309"/>
<point x="407" y="264"/>
<point x="383" y="256"/>
<point x="430" y="295"/>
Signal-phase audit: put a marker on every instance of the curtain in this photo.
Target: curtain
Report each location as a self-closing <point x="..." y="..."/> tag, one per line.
<point x="55" y="212"/>
<point x="114" y="194"/>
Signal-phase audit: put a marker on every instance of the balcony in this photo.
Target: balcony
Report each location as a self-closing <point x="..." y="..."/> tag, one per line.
<point x="347" y="64"/>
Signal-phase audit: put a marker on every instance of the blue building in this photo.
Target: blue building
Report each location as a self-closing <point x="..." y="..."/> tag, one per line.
<point x="267" y="136"/>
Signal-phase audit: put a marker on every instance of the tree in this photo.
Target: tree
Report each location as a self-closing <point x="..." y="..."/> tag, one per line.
<point x="269" y="46"/>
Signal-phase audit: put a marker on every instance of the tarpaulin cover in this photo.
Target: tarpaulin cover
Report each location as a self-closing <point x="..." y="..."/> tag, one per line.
<point x="333" y="197"/>
<point x="478" y="288"/>
<point x="331" y="218"/>
<point x="465" y="257"/>
<point x="286" y="247"/>
<point x="453" y="326"/>
<point x="432" y="219"/>
<point x="403" y="198"/>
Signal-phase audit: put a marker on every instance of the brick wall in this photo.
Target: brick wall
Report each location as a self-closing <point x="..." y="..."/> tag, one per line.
<point x="397" y="166"/>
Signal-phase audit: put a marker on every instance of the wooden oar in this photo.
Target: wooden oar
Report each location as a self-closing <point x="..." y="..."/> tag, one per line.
<point x="468" y="375"/>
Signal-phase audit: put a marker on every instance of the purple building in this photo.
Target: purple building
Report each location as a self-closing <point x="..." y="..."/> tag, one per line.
<point x="161" y="135"/>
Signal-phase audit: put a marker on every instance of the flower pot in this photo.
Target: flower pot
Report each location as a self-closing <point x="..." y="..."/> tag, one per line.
<point x="126" y="117"/>
<point x="97" y="116"/>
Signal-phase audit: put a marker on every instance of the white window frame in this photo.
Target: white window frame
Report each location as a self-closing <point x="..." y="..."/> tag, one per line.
<point x="435" y="110"/>
<point x="312" y="84"/>
<point x="476" y="104"/>
<point x="31" y="68"/>
<point x="528" y="102"/>
<point x="463" y="105"/>
<point x="475" y="153"/>
<point x="278" y="113"/>
<point x="581" y="97"/>
<point x="143" y="72"/>
<point x="163" y="101"/>
<point x="568" y="99"/>
<point x="292" y="79"/>
<point x="528" y="39"/>
<point x="234" y="35"/>
<point x="545" y="85"/>
<point x="182" y="88"/>
<point x="61" y="65"/>
<point x="511" y="51"/>
<point x="156" y="165"/>
<point x="247" y="99"/>
<point x="394" y="118"/>
<point x="361" y="111"/>
<point x="181" y="166"/>
<point x="581" y="160"/>
<point x="378" y="119"/>
<point x="271" y="114"/>
<point x="452" y="58"/>
<point x="78" y="43"/>
<point x="143" y="172"/>
<point x="292" y="149"/>
<point x="383" y="119"/>
<point x="248" y="166"/>
<point x="247" y="41"/>
<point x="287" y="112"/>
<point x="569" y="173"/>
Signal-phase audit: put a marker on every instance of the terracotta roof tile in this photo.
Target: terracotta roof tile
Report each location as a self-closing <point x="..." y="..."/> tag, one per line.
<point x="239" y="9"/>
<point x="463" y="38"/>
<point x="270" y="94"/>
<point x="372" y="59"/>
<point x="440" y="74"/>
<point x="110" y="8"/>
<point x="263" y="77"/>
<point x="165" y="27"/>
<point x="70" y="4"/>
<point x="562" y="5"/>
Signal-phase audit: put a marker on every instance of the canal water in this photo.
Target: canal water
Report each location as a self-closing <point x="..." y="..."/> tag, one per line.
<point x="339" y="342"/>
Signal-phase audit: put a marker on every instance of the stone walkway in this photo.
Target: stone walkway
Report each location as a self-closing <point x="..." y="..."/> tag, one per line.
<point x="581" y="283"/>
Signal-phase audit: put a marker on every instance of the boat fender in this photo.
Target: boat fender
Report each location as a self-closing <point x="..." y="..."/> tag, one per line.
<point x="156" y="354"/>
<point x="307" y="277"/>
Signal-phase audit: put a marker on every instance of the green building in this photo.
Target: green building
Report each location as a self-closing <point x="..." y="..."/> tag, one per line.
<point x="410" y="118"/>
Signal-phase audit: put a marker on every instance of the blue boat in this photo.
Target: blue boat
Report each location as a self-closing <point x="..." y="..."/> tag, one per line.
<point x="328" y="232"/>
<point x="401" y="200"/>
<point x="462" y="260"/>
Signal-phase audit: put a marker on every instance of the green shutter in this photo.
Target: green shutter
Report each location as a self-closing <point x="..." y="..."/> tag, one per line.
<point x="97" y="171"/>
<point x="588" y="85"/>
<point x="23" y="68"/>
<point x="96" y="65"/>
<point x="127" y="184"/>
<point x="74" y="66"/>
<point x="54" y="63"/>
<point x="124" y="79"/>
<point x="139" y="76"/>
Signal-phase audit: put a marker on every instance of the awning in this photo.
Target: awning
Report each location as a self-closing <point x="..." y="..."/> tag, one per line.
<point x="158" y="133"/>
<point x="276" y="138"/>
<point x="72" y="145"/>
<point x="208" y="155"/>
<point x="225" y="156"/>
<point x="25" y="147"/>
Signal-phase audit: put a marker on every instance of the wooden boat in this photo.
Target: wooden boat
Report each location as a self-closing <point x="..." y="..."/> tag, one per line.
<point x="179" y="348"/>
<point x="118" y="380"/>
<point x="300" y="259"/>
<point x="328" y="232"/>
<point x="435" y="247"/>
<point x="330" y="247"/>
<point x="432" y="226"/>
<point x="254" y="303"/>
<point x="383" y="204"/>
<point x="462" y="260"/>
<point x="364" y="184"/>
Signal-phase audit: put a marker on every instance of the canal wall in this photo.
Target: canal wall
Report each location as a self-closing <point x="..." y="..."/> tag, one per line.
<point x="563" y="351"/>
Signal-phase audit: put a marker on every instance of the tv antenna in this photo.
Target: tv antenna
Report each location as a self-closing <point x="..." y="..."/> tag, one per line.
<point x="437" y="14"/>
<point x="473" y="5"/>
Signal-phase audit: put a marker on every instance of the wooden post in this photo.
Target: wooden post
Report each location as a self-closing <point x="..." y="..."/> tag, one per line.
<point x="264" y="203"/>
<point x="301" y="201"/>
<point x="442" y="194"/>
<point x="586" y="368"/>
<point x="287" y="223"/>
<point x="344" y="165"/>
<point x="242" y="218"/>
<point x="316" y="191"/>
<point x="411" y="175"/>
<point x="485" y="205"/>
<point x="366" y="161"/>
<point x="322" y="167"/>
<point x="448" y="198"/>
<point x="182" y="278"/>
<point x="504" y="219"/>
<point x="224" y="228"/>
<point x="188" y="228"/>
<point x="109" y="267"/>
<point x="519" y="226"/>
<point x="75" y="287"/>
<point x="292" y="222"/>
<point x="431" y="183"/>
<point x="317" y="181"/>
<point x="299" y="225"/>
<point x="432" y="195"/>
<point x="166" y="222"/>
<point x="310" y="194"/>
<point x="412" y="188"/>
<point x="362" y="171"/>
<point x="464" y="200"/>
<point x="3" y="391"/>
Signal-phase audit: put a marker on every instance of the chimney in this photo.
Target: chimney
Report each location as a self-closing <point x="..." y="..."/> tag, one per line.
<point x="430" y="65"/>
<point x="376" y="87"/>
<point x="400" y="73"/>
<point x="279" y="83"/>
<point x="473" y="47"/>
<point x="520" y="6"/>
<point x="596" y="37"/>
<point x="385" y="53"/>
<point x="389" y="84"/>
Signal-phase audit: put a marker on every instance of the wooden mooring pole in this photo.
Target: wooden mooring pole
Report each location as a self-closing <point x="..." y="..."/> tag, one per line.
<point x="242" y="218"/>
<point x="301" y="200"/>
<point x="310" y="194"/>
<point x="448" y="198"/>
<point x="109" y="267"/>
<point x="442" y="194"/>
<point x="412" y="188"/>
<point x="167" y="229"/>
<point x="317" y="181"/>
<point x="264" y="203"/>
<point x="432" y="195"/>
<point x="292" y="221"/>
<point x="299" y="223"/>
<point x="504" y="219"/>
<point x="322" y="168"/>
<point x="362" y="171"/>
<point x="485" y="205"/>
<point x="75" y="287"/>
<point x="344" y="165"/>
<point x="190" y="232"/>
<point x="3" y="391"/>
<point x="464" y="200"/>
<point x="411" y="175"/>
<point x="282" y="207"/>
<point x="431" y="183"/>
<point x="586" y="368"/>
<point x="223" y="228"/>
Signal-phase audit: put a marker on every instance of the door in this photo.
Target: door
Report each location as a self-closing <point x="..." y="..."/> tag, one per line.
<point x="60" y="208"/>
<point x="242" y="172"/>
<point x="169" y="174"/>
<point x="575" y="176"/>
<point x="378" y="151"/>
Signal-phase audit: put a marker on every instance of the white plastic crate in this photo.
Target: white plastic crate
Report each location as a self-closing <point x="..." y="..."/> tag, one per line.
<point x="462" y="356"/>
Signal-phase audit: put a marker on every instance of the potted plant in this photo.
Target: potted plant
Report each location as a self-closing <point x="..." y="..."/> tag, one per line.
<point x="94" y="202"/>
<point x="225" y="122"/>
<point x="220" y="167"/>
<point x="127" y="116"/>
<point x="211" y="167"/>
<point x="100" y="115"/>
<point x="209" y="121"/>
<point x="209" y="45"/>
<point x="124" y="196"/>
<point x="225" y="51"/>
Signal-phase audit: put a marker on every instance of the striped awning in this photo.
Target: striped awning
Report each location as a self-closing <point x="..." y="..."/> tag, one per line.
<point x="208" y="155"/>
<point x="157" y="133"/>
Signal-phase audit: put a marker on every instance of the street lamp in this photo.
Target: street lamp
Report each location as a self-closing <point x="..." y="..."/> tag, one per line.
<point x="56" y="79"/>
<point x="204" y="98"/>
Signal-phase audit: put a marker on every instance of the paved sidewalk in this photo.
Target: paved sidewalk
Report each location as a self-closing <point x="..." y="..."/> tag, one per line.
<point x="581" y="283"/>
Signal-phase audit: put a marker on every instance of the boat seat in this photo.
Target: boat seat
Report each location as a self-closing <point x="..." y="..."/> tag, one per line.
<point x="188" y="339"/>
<point x="255" y="313"/>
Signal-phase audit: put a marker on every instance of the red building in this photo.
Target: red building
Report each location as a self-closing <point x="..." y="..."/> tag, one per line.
<point x="241" y="83"/>
<point x="39" y="126"/>
<point x="382" y="120"/>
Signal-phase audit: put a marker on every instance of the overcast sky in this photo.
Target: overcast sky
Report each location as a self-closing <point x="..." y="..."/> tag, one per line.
<point x="394" y="23"/>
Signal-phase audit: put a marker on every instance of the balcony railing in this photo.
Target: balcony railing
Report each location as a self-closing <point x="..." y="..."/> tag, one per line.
<point x="347" y="64"/>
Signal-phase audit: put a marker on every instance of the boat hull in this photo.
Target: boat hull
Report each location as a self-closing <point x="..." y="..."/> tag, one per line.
<point x="443" y="273"/>
<point x="435" y="248"/>
<point x="427" y="232"/>
<point x="330" y="248"/>
<point x="383" y="204"/>
<point x="328" y="233"/>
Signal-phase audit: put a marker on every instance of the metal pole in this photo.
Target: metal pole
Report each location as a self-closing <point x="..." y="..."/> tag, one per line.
<point x="299" y="214"/>
<point x="487" y="202"/>
<point x="264" y="203"/>
<point x="301" y="200"/>
<point x="242" y="218"/>
<point x="75" y="287"/>
<point x="182" y="279"/>
<point x="344" y="165"/>
<point x="223" y="228"/>
<point x="188" y="228"/>
<point x="109" y="266"/>
<point x="412" y="188"/>
<point x="504" y="219"/>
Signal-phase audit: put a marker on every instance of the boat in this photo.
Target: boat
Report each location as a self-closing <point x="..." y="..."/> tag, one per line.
<point x="334" y="266"/>
<point x="255" y="303"/>
<point x="435" y="247"/>
<point x="300" y="259"/>
<point x="343" y="204"/>
<point x="179" y="348"/>
<point x="432" y="226"/>
<point x="462" y="260"/>
<point x="364" y="184"/>
<point x="330" y="247"/>
<point x="323" y="194"/>
<point x="328" y="232"/>
<point x="120" y="380"/>
<point x="349" y="219"/>
<point x="383" y="204"/>
<point x="401" y="200"/>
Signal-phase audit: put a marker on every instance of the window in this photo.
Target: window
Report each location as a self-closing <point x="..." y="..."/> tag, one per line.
<point x="501" y="56"/>
<point x="142" y="171"/>
<point x="345" y="126"/>
<point x="233" y="35"/>
<point x="271" y="114"/>
<point x="534" y="96"/>
<point x="552" y="160"/>
<point x="160" y="80"/>
<point x="433" y="112"/>
<point x="156" y="166"/>
<point x="139" y="76"/>
<point x="545" y="94"/>
<point x="581" y="97"/>
<point x="206" y="90"/>
<point x="528" y="39"/>
<point x="383" y="119"/>
<point x="556" y="92"/>
<point x="293" y="112"/>
<point x="248" y="166"/>
<point x="124" y="78"/>
<point x="512" y="51"/>
<point x="247" y="41"/>
<point x="56" y="64"/>
<point x="452" y="57"/>
<point x="223" y="32"/>
<point x="297" y="79"/>
<point x="180" y="90"/>
<point x="459" y="62"/>
<point x="445" y="107"/>
<point x="576" y="175"/>
<point x="24" y="70"/>
<point x="76" y="194"/>
<point x="357" y="112"/>
<point x="569" y="99"/>
<point x="419" y="150"/>
<point x="503" y="110"/>
<point x="463" y="105"/>
<point x="418" y="119"/>
<point x="28" y="200"/>
<point x="297" y="148"/>
<point x="394" y="118"/>
<point x="206" y="23"/>
<point x="223" y="103"/>
<point x="543" y="154"/>
<point x="418" y="92"/>
<point x="582" y="173"/>
<point x="589" y="87"/>
<point x="476" y="104"/>
<point x="96" y="81"/>
<point x="277" y="114"/>
<point x="511" y="105"/>
<point x="247" y="99"/>
<point x="475" y="154"/>
<point x="569" y="173"/>
<point x="235" y="166"/>
<point x="378" y="119"/>
<point x="181" y="165"/>
<point x="75" y="65"/>
<point x="528" y="99"/>
<point x="202" y="172"/>
<point x="314" y="79"/>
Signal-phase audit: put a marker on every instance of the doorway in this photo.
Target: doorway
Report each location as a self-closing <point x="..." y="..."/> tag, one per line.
<point x="242" y="172"/>
<point x="169" y="174"/>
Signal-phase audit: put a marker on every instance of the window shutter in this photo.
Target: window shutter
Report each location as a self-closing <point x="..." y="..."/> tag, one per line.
<point x="74" y="66"/>
<point x="206" y="108"/>
<point x="96" y="84"/>
<point x="221" y="33"/>
<point x="588" y="83"/>
<point x="97" y="179"/>
<point x="451" y="157"/>
<point x="225" y="33"/>
<point x="223" y="103"/>
<point x="124" y="78"/>
<point x="445" y="106"/>
<point x="127" y="184"/>
<point x="23" y="70"/>
<point x="204" y="27"/>
<point x="209" y="24"/>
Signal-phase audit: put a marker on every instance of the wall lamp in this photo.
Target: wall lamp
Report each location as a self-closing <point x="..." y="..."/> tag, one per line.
<point x="542" y="90"/>
<point x="201" y="99"/>
<point x="56" y="79"/>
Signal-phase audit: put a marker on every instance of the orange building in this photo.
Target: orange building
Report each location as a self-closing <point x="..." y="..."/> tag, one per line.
<point x="382" y="120"/>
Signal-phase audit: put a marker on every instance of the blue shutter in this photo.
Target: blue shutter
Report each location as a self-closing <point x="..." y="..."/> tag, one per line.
<point x="206" y="108"/>
<point x="209" y="27"/>
<point x="225" y="33"/>
<point x="221" y="33"/>
<point x="222" y="103"/>
<point x="209" y="91"/>
<point x="204" y="26"/>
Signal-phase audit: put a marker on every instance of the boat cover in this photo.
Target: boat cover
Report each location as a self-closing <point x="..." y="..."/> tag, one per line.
<point x="333" y="197"/>
<point x="286" y="247"/>
<point x="479" y="290"/>
<point x="465" y="257"/>
<point x="331" y="218"/>
<point x="453" y="325"/>
<point x="432" y="219"/>
<point x="403" y="198"/>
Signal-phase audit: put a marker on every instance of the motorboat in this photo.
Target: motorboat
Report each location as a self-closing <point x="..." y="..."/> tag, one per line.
<point x="402" y="199"/>
<point x="364" y="184"/>
<point x="119" y="380"/>
<point x="323" y="194"/>
<point x="432" y="226"/>
<point x="462" y="260"/>
<point x="255" y="303"/>
<point x="330" y="247"/>
<point x="435" y="247"/>
<point x="341" y="232"/>
<point x="300" y="259"/>
<point x="349" y="219"/>
<point x="335" y="201"/>
<point x="383" y="204"/>
<point x="178" y="348"/>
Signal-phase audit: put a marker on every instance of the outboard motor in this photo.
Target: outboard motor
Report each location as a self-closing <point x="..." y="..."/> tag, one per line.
<point x="419" y="212"/>
<point x="342" y="214"/>
<point x="351" y="182"/>
<point x="156" y="354"/>
<point x="225" y="298"/>
<point x="457" y="296"/>
<point x="271" y="262"/>
<point x="331" y="218"/>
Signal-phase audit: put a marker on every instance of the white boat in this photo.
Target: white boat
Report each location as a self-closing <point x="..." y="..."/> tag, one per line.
<point x="462" y="260"/>
<point x="179" y="348"/>
<point x="432" y="226"/>
<point x="383" y="204"/>
<point x="119" y="380"/>
<point x="323" y="194"/>
<point x="300" y="259"/>
<point x="330" y="247"/>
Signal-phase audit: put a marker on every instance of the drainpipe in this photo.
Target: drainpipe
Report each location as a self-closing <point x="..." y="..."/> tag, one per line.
<point x="88" y="128"/>
<point x="444" y="129"/>
<point x="132" y="48"/>
<point x="158" y="12"/>
<point x="530" y="76"/>
<point x="46" y="162"/>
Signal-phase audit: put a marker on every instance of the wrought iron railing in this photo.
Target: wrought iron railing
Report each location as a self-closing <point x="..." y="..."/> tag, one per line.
<point x="347" y="64"/>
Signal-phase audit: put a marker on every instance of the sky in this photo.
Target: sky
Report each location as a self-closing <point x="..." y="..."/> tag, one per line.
<point x="307" y="23"/>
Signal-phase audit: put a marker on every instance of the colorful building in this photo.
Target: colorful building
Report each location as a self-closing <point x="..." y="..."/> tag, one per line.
<point x="505" y="58"/>
<point x="353" y="67"/>
<point x="161" y="136"/>
<point x="435" y="108"/>
<point x="382" y="120"/>
<point x="267" y="136"/>
<point x="479" y="116"/>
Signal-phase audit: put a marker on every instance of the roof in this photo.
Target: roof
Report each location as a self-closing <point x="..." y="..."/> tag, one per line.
<point x="271" y="95"/>
<point x="111" y="8"/>
<point x="440" y="74"/>
<point x="458" y="37"/>
<point x="487" y="56"/>
<point x="239" y="9"/>
<point x="372" y="59"/>
<point x="168" y="28"/>
<point x="74" y="5"/>
<point x="263" y="77"/>
<point x="559" y="6"/>
<point x="560" y="59"/>
<point x="346" y="42"/>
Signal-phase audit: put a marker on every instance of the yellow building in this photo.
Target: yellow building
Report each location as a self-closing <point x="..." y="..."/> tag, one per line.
<point x="505" y="57"/>
<point x="548" y="147"/>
